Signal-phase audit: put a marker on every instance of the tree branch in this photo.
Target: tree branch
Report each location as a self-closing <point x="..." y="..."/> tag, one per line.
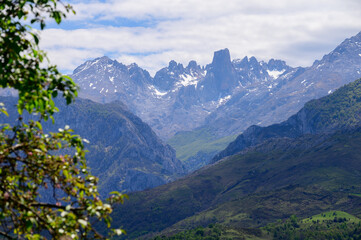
<point x="6" y="235"/>
<point x="49" y="205"/>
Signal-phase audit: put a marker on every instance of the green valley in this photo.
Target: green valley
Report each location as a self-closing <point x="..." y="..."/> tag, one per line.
<point x="196" y="148"/>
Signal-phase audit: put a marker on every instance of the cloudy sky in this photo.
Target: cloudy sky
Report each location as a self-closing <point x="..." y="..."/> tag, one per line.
<point x="153" y="32"/>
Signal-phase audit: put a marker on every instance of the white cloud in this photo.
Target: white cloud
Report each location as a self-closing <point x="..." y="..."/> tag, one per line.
<point x="297" y="31"/>
<point x="70" y="58"/>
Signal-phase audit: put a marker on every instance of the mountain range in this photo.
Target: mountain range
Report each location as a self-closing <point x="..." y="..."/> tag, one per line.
<point x="219" y="100"/>
<point x="175" y="94"/>
<point x="306" y="165"/>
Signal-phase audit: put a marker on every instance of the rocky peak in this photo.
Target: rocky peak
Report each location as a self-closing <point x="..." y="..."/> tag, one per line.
<point x="133" y="66"/>
<point x="246" y="64"/>
<point x="250" y="71"/>
<point x="175" y="67"/>
<point x="139" y="75"/>
<point x="105" y="80"/>
<point x="349" y="49"/>
<point x="279" y="65"/>
<point x="221" y="77"/>
<point x="243" y="62"/>
<point x="221" y="58"/>
<point x="275" y="68"/>
<point x="349" y="43"/>
<point x="100" y="65"/>
<point x="192" y="65"/>
<point x="253" y="61"/>
<point x="90" y="63"/>
<point x="166" y="78"/>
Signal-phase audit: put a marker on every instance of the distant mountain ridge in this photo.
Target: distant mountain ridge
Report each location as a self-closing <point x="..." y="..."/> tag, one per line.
<point x="175" y="94"/>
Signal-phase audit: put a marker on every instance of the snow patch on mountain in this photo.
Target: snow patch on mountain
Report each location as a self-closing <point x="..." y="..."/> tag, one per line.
<point x="95" y="62"/>
<point x="275" y="73"/>
<point x="187" y="79"/>
<point x="223" y="101"/>
<point x="309" y="85"/>
<point x="320" y="65"/>
<point x="156" y="92"/>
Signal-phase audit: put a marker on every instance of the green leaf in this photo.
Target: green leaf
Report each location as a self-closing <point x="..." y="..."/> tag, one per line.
<point x="4" y="112"/>
<point x="38" y="124"/>
<point x="36" y="39"/>
<point x="28" y="225"/>
<point x="54" y="94"/>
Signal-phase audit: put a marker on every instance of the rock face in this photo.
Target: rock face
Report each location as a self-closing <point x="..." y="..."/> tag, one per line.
<point x="124" y="152"/>
<point x="221" y="77"/>
<point x="225" y="96"/>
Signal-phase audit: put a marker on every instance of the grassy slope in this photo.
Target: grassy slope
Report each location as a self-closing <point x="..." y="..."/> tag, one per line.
<point x="341" y="108"/>
<point x="327" y="225"/>
<point x="188" y="144"/>
<point x="330" y="166"/>
<point x="331" y="215"/>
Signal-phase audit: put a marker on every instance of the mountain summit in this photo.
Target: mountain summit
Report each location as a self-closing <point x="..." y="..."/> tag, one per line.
<point x="221" y="77"/>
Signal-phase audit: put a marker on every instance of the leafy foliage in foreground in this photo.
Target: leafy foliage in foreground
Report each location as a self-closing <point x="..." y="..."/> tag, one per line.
<point x="45" y="186"/>
<point x="30" y="166"/>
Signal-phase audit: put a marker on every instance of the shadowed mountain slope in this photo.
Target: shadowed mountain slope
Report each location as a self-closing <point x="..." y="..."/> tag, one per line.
<point x="124" y="152"/>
